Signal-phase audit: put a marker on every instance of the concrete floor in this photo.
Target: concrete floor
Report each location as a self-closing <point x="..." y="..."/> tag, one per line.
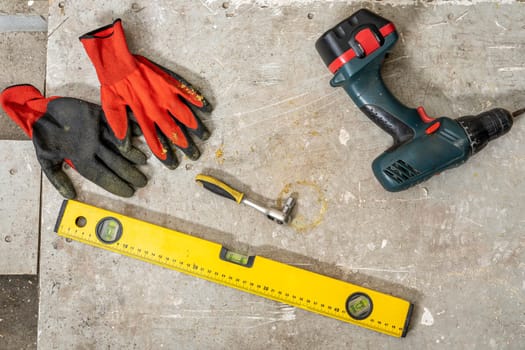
<point x="18" y="311"/>
<point x="453" y="245"/>
<point x="23" y="41"/>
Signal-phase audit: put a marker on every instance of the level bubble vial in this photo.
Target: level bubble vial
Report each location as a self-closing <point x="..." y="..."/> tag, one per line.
<point x="359" y="306"/>
<point x="109" y="230"/>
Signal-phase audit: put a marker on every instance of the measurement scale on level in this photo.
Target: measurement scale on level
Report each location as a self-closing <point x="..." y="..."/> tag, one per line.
<point x="253" y="274"/>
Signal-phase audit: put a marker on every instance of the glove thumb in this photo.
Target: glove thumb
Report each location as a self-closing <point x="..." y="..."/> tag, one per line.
<point x="59" y="179"/>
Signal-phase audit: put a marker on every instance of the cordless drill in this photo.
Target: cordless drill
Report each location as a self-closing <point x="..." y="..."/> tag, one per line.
<point x="423" y="146"/>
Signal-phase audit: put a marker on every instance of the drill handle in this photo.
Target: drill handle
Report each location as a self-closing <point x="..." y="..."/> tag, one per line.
<point x="399" y="131"/>
<point x="354" y="50"/>
<point x="368" y="91"/>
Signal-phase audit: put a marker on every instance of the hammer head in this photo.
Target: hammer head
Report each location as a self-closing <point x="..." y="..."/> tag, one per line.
<point x="283" y="216"/>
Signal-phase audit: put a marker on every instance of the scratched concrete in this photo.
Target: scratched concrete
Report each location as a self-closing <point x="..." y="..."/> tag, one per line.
<point x="19" y="193"/>
<point x="23" y="60"/>
<point x="23" y="42"/>
<point x="453" y="245"/>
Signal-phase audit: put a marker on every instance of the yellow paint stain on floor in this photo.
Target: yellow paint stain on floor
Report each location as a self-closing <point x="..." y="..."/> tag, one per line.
<point x="219" y="154"/>
<point x="312" y="204"/>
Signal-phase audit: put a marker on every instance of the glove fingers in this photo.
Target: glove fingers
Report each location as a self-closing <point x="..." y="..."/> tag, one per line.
<point x="115" y="110"/>
<point x="186" y="91"/>
<point x="178" y="136"/>
<point x="135" y="128"/>
<point x="183" y="88"/>
<point x="132" y="123"/>
<point x="124" y="147"/>
<point x="135" y="156"/>
<point x="58" y="178"/>
<point x="190" y="149"/>
<point x="157" y="142"/>
<point x="102" y="176"/>
<point x="172" y="130"/>
<point x="122" y="168"/>
<point x="170" y="161"/>
<point x="197" y="128"/>
<point x="183" y="114"/>
<point x="148" y="129"/>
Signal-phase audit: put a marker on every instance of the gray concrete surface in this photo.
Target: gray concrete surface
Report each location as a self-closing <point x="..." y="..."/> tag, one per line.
<point x="453" y="245"/>
<point x="18" y="312"/>
<point x="22" y="24"/>
<point x="24" y="7"/>
<point x="19" y="208"/>
<point x="23" y="38"/>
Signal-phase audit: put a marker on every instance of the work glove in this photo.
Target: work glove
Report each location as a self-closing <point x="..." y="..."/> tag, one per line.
<point x="159" y="98"/>
<point x="75" y="132"/>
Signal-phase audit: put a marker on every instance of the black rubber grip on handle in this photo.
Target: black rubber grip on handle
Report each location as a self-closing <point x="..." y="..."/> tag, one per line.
<point x="399" y="131"/>
<point x="217" y="190"/>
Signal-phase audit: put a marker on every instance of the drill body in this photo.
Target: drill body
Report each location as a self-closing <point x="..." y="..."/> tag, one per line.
<point x="422" y="146"/>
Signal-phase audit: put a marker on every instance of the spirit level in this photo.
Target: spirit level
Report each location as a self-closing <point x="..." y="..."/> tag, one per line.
<point x="253" y="274"/>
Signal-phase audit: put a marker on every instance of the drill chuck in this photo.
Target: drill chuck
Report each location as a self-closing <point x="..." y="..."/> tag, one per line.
<point x="485" y="127"/>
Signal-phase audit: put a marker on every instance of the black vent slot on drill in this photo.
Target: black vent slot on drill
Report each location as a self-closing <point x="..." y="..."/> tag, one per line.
<point x="400" y="171"/>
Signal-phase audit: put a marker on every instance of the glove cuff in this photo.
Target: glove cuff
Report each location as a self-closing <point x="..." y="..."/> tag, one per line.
<point x="25" y="105"/>
<point x="108" y="51"/>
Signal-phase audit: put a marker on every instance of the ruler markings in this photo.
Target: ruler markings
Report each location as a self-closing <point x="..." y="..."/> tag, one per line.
<point x="267" y="278"/>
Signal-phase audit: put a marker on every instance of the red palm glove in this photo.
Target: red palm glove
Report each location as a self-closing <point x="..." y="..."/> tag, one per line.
<point x="158" y="98"/>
